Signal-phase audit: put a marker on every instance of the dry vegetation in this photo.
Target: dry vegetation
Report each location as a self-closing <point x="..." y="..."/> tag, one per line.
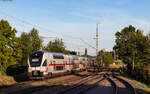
<point x="6" y="81"/>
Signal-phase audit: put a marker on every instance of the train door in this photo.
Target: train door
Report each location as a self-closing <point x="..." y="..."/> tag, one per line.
<point x="70" y="65"/>
<point x="73" y="64"/>
<point x="67" y="65"/>
<point x="50" y="67"/>
<point x="45" y="67"/>
<point x="54" y="66"/>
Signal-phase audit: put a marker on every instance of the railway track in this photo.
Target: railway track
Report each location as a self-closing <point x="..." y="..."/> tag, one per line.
<point x="113" y="84"/>
<point x="78" y="85"/>
<point x="81" y="87"/>
<point x="51" y="85"/>
<point x="128" y="86"/>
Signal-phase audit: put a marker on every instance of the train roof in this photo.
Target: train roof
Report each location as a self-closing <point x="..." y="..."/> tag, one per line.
<point x="60" y="54"/>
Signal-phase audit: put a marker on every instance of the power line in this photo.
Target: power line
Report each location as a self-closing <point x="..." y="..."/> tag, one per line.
<point x="48" y="37"/>
<point x="43" y="28"/>
<point x="87" y="43"/>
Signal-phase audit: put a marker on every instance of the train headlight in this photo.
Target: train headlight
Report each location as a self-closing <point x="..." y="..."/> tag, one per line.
<point x="29" y="69"/>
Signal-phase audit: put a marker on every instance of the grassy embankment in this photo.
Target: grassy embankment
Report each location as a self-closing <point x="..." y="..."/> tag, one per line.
<point x="144" y="86"/>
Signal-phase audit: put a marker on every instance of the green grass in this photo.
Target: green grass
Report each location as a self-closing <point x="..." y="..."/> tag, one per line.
<point x="143" y="85"/>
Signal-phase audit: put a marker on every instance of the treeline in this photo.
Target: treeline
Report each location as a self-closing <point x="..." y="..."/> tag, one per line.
<point x="104" y="58"/>
<point x="133" y="48"/>
<point x="15" y="50"/>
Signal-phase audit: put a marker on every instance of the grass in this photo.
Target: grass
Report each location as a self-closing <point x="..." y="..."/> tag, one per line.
<point x="144" y="86"/>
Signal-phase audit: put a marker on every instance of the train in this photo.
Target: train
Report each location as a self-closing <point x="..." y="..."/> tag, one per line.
<point x="44" y="64"/>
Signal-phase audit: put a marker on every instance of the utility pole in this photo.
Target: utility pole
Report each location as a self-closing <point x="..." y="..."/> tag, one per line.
<point x="97" y="38"/>
<point x="85" y="52"/>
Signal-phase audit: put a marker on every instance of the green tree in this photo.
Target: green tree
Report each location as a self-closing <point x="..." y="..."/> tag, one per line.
<point x="30" y="42"/>
<point x="56" y="46"/>
<point x="26" y="48"/>
<point x="105" y="58"/>
<point x="36" y="41"/>
<point x="133" y="47"/>
<point x="9" y="46"/>
<point x="126" y="45"/>
<point x="73" y="53"/>
<point x="108" y="59"/>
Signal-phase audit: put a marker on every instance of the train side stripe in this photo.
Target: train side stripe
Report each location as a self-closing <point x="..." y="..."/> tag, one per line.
<point x="58" y="64"/>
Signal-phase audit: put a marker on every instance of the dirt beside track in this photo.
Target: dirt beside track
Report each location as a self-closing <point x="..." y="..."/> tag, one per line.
<point x="62" y="80"/>
<point x="52" y="85"/>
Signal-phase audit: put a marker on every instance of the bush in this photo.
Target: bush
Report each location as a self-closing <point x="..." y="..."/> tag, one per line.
<point x="13" y="70"/>
<point x="108" y="59"/>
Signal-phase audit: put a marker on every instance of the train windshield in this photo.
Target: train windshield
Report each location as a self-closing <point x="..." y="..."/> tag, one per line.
<point x="35" y="59"/>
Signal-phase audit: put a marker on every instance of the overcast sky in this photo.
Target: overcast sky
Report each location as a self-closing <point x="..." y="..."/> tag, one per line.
<point x="75" y="19"/>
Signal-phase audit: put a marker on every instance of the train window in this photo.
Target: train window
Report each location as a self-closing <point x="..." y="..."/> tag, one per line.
<point x="58" y="56"/>
<point x="45" y="63"/>
<point x="59" y="68"/>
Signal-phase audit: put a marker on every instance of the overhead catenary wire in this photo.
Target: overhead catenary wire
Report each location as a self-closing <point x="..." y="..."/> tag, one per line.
<point x="43" y="28"/>
<point x="35" y="25"/>
<point x="87" y="43"/>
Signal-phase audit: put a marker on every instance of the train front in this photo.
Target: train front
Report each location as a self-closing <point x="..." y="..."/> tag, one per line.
<point x="37" y="65"/>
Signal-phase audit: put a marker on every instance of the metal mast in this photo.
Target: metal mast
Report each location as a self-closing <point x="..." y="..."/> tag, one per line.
<point x="97" y="38"/>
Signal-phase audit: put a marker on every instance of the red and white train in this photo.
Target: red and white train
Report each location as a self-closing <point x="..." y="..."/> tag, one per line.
<point x="42" y="64"/>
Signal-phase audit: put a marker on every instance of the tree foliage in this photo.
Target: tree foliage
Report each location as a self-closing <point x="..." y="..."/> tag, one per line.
<point x="133" y="47"/>
<point x="35" y="40"/>
<point x="56" y="46"/>
<point x="9" y="46"/>
<point x="108" y="59"/>
<point x="15" y="50"/>
<point x="30" y="42"/>
<point x="105" y="58"/>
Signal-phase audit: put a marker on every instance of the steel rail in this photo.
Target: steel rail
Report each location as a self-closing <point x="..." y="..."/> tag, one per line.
<point x="39" y="88"/>
<point x="113" y="84"/>
<point x="79" y="85"/>
<point x="127" y="84"/>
